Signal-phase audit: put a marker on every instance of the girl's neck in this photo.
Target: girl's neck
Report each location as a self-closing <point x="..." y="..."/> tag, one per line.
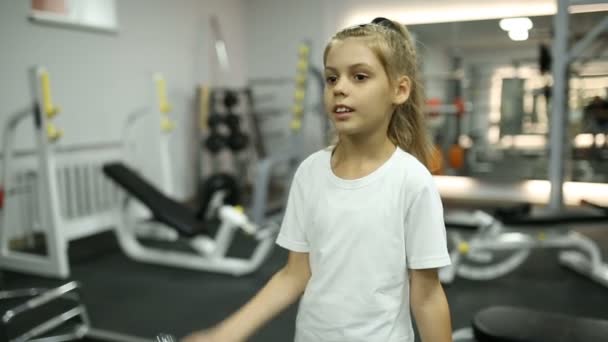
<point x="353" y="149"/>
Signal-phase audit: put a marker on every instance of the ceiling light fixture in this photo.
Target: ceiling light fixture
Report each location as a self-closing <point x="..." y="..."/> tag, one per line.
<point x="517" y="27"/>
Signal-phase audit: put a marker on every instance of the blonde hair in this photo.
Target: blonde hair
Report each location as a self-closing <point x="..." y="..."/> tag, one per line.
<point x="392" y="44"/>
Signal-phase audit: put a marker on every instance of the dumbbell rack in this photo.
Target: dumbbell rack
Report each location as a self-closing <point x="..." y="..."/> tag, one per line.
<point x="224" y="133"/>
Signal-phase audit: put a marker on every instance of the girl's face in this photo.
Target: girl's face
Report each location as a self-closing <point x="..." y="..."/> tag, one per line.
<point x="359" y="98"/>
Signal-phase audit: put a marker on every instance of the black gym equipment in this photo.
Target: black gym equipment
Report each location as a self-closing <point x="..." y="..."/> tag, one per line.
<point x="215" y="120"/>
<point x="514" y="324"/>
<point x="544" y="58"/>
<point x="212" y="186"/>
<point x="59" y="315"/>
<point x="225" y="132"/>
<point x="163" y="208"/>
<point x="233" y="121"/>
<point x="235" y="139"/>
<point x="215" y="143"/>
<point x="522" y="215"/>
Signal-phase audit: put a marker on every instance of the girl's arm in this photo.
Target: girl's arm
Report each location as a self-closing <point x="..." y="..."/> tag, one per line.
<point x="283" y="289"/>
<point x="430" y="306"/>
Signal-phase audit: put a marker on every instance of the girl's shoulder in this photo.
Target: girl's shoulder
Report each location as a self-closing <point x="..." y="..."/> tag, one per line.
<point x="411" y="171"/>
<point x="313" y="163"/>
<point x="411" y="163"/>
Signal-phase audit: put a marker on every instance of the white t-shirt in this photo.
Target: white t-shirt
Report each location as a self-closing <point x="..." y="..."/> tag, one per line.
<point x="362" y="235"/>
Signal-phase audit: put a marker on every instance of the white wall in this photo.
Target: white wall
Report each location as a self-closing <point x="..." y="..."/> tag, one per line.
<point x="98" y="78"/>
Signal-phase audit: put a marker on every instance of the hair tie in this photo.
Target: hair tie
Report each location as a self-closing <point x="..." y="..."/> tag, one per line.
<point x="386" y="23"/>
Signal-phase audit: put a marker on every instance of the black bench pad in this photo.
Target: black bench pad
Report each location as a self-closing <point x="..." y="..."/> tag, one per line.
<point x="164" y="209"/>
<point x="512" y="324"/>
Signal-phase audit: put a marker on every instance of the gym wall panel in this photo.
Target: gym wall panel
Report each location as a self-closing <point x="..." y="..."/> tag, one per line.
<point x="275" y="28"/>
<point x="97" y="78"/>
<point x="435" y="62"/>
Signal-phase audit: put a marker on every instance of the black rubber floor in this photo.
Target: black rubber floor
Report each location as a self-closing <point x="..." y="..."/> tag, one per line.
<point x="145" y="300"/>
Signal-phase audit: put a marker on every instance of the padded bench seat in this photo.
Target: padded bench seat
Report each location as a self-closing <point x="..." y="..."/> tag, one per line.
<point x="512" y="324"/>
<point x="164" y="209"/>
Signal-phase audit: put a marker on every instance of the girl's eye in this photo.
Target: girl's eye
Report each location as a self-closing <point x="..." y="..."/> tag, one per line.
<point x="331" y="79"/>
<point x="361" y="77"/>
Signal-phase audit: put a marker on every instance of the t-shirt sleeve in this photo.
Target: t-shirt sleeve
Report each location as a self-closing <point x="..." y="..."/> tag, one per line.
<point x="425" y="234"/>
<point x="292" y="234"/>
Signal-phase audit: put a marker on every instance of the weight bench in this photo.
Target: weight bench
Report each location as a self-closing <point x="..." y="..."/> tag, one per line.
<point x="513" y="324"/>
<point x="210" y="252"/>
<point x="521" y="215"/>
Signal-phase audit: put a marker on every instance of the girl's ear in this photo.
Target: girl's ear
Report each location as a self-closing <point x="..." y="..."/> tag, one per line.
<point x="403" y="87"/>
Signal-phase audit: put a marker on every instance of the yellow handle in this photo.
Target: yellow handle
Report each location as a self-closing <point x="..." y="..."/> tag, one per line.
<point x="203" y="108"/>
<point x="166" y="125"/>
<point x="298" y="109"/>
<point x="47" y="100"/>
<point x="303" y="50"/>
<point x="52" y="132"/>
<point x="303" y="65"/>
<point x="299" y="95"/>
<point x="463" y="248"/>
<point x="301" y="79"/>
<point x="161" y="92"/>
<point x="296" y="124"/>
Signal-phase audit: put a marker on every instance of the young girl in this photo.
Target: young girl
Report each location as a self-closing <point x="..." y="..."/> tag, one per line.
<point x="364" y="221"/>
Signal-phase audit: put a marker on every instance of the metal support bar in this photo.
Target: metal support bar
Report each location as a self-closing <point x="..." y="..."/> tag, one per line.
<point x="11" y="294"/>
<point x="559" y="105"/>
<point x="51" y="324"/>
<point x="42" y="299"/>
<point x="583" y="44"/>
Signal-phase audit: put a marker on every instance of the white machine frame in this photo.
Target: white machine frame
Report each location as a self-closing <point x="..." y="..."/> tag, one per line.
<point x="61" y="199"/>
<point x="73" y="200"/>
<point x="491" y="236"/>
<point x="212" y="251"/>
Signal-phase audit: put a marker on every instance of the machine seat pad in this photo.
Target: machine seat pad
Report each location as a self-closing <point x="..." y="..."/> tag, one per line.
<point x="164" y="209"/>
<point x="513" y="324"/>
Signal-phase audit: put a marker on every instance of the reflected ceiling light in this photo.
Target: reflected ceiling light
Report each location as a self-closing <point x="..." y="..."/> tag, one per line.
<point x="518" y="35"/>
<point x="529" y="141"/>
<point x="465" y="141"/>
<point x="444" y="12"/>
<point x="517" y="24"/>
<point x="517" y="27"/>
<point x="600" y="139"/>
<point x="584" y="140"/>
